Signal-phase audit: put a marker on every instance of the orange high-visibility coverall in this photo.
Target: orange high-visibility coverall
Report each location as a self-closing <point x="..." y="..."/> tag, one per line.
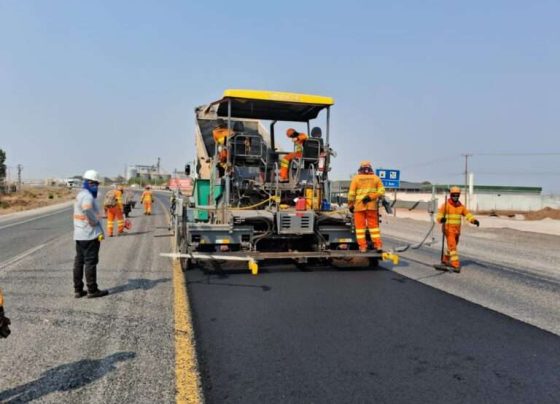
<point x="220" y="135"/>
<point x="147" y="199"/>
<point x="453" y="211"/>
<point x="299" y="140"/>
<point x="115" y="213"/>
<point x="366" y="216"/>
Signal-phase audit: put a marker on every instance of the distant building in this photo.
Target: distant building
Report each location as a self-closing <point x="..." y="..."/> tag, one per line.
<point x="145" y="172"/>
<point x="416" y="195"/>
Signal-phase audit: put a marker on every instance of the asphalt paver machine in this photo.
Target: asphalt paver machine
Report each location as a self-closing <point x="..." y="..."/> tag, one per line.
<point x="241" y="210"/>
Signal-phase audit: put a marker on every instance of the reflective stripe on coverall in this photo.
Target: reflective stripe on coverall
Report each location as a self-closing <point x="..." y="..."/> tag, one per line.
<point x="147" y="199"/>
<point x="453" y="212"/>
<point x="285" y="162"/>
<point x="114" y="213"/>
<point x="365" y="214"/>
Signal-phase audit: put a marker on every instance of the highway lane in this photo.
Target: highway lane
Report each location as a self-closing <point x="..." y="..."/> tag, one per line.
<point x="116" y="349"/>
<point x="519" y="292"/>
<point x="361" y="336"/>
<point x="328" y="335"/>
<point x="19" y="235"/>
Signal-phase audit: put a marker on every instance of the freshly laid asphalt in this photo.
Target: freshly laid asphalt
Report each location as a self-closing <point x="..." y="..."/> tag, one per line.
<point x="334" y="336"/>
<point x="285" y="336"/>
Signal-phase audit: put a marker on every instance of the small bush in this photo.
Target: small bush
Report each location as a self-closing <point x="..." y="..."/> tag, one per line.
<point x="51" y="196"/>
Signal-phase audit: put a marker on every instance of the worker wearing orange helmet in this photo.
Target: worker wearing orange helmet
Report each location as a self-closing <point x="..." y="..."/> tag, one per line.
<point x="365" y="190"/>
<point x="299" y="139"/>
<point x="449" y="215"/>
<point x="147" y="200"/>
<point x="220" y="133"/>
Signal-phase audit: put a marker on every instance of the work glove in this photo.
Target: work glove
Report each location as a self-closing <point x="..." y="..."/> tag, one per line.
<point x="443" y="220"/>
<point x="366" y="199"/>
<point x="351" y="209"/>
<point x="4" y="323"/>
<point x="476" y="223"/>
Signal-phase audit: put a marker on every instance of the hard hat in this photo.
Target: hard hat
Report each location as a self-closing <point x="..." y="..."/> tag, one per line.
<point x="316" y="132"/>
<point x="92" y="175"/>
<point x="291" y="133"/>
<point x="365" y="163"/>
<point x="454" y="190"/>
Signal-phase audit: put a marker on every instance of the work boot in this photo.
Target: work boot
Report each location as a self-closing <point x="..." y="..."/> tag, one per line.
<point x="457" y="269"/>
<point x="97" y="293"/>
<point x="80" y="293"/>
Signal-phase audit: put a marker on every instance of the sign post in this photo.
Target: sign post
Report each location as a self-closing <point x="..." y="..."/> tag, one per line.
<point x="390" y="179"/>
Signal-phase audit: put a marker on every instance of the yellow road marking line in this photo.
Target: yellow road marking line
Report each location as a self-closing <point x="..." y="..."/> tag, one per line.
<point x="186" y="366"/>
<point x="187" y="377"/>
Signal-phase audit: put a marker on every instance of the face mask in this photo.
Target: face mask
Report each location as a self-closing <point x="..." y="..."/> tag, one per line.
<point x="92" y="188"/>
<point x="455" y="198"/>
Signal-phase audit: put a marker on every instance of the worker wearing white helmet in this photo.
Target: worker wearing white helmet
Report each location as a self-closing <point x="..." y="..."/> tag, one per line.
<point x="88" y="234"/>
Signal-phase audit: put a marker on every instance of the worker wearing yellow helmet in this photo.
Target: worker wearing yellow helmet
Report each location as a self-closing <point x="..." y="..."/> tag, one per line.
<point x="365" y="190"/>
<point x="450" y="215"/>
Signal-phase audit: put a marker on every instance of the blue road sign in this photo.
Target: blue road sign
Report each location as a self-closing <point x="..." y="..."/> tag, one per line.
<point x="390" y="178"/>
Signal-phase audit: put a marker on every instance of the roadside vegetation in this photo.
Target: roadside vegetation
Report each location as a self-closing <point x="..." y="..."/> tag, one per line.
<point x="33" y="197"/>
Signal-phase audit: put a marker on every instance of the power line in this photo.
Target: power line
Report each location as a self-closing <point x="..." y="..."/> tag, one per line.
<point x="430" y="162"/>
<point x="526" y="173"/>
<point x="516" y="154"/>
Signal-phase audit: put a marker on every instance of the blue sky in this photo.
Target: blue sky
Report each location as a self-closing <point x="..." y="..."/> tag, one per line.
<point x="417" y="83"/>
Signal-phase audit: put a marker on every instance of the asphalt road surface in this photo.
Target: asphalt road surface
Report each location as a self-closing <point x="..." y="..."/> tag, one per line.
<point x="362" y="336"/>
<point x="285" y="336"/>
<point x="116" y="349"/>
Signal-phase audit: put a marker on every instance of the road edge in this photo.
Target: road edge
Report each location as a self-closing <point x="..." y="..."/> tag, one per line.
<point x="187" y="375"/>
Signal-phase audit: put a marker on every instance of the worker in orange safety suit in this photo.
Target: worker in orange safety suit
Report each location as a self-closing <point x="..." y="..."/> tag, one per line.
<point x="4" y="321"/>
<point x="365" y="190"/>
<point x="449" y="215"/>
<point x="147" y="199"/>
<point x="112" y="204"/>
<point x="220" y="135"/>
<point x="298" y="139"/>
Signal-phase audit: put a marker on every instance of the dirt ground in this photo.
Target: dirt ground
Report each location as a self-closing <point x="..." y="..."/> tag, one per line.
<point x="33" y="197"/>
<point x="546" y="213"/>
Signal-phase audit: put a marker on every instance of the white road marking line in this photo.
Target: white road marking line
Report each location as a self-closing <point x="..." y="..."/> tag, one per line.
<point x="33" y="218"/>
<point x="21" y="256"/>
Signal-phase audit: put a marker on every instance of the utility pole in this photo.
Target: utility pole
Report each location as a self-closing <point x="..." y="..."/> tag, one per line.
<point x="467" y="155"/>
<point x="158" y="161"/>
<point x="19" y="170"/>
